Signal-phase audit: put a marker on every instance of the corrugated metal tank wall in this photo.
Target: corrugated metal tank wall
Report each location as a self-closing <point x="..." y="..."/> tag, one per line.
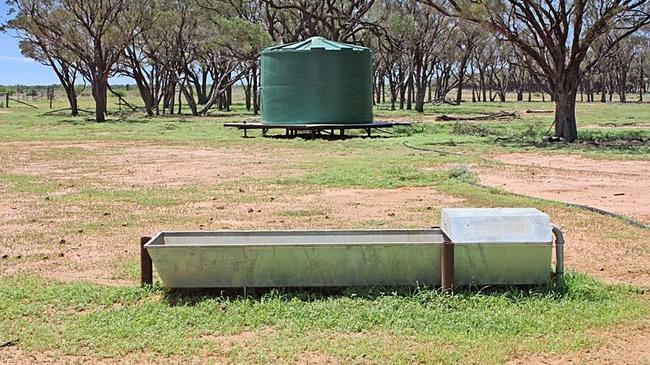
<point x="316" y="81"/>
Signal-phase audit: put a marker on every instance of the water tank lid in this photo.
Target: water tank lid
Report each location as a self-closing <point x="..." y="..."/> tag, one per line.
<point x="496" y="225"/>
<point x="314" y="43"/>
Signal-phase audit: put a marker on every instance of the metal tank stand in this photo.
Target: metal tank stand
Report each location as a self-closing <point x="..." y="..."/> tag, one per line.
<point x="314" y="130"/>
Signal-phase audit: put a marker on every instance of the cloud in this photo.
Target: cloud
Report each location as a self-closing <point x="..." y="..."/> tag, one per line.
<point x="16" y="59"/>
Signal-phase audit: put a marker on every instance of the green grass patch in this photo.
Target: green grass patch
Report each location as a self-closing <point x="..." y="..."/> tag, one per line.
<point x="28" y="184"/>
<point x="88" y="319"/>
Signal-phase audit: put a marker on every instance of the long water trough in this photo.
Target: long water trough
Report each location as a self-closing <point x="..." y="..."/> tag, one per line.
<point x="473" y="247"/>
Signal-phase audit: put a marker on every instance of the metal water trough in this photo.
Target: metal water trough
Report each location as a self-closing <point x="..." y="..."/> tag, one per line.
<point x="474" y="247"/>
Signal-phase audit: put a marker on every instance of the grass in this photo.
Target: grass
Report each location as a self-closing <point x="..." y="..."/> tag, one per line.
<point x="78" y="318"/>
<point x="377" y="325"/>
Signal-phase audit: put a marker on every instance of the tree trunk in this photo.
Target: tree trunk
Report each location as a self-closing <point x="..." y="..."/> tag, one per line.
<point x="100" y="94"/>
<point x="180" y="101"/>
<point x="378" y="89"/>
<point x="256" y="99"/>
<point x="461" y="77"/>
<point x="203" y="97"/>
<point x="603" y="89"/>
<point x="228" y="98"/>
<point x="392" y="89"/>
<point x="145" y="93"/>
<point x="622" y="86"/>
<point x="565" y="107"/>
<point x="481" y="83"/>
<point x="409" y="93"/>
<point x="641" y="81"/>
<point x="420" y="95"/>
<point x="190" y="100"/>
<point x="401" y="87"/>
<point x="247" y="93"/>
<point x="71" y="94"/>
<point x="171" y="95"/>
<point x="247" y="97"/>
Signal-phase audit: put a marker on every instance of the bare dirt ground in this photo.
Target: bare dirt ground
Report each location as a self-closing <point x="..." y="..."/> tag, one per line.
<point x="622" y="187"/>
<point x="42" y="232"/>
<point x="128" y="164"/>
<point x="88" y="257"/>
<point x="628" y="345"/>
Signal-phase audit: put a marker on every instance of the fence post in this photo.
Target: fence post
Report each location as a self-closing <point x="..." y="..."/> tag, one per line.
<point x="146" y="266"/>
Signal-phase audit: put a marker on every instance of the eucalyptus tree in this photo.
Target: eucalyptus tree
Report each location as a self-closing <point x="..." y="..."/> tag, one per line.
<point x="252" y="11"/>
<point x="232" y="45"/>
<point x="149" y="58"/>
<point x="479" y="61"/>
<point x="392" y="47"/>
<point x="94" y="32"/>
<point x="642" y="64"/>
<point x="429" y="44"/>
<point x="556" y="35"/>
<point x="466" y="40"/>
<point x="38" y="46"/>
<point x="338" y="20"/>
<point x="622" y="60"/>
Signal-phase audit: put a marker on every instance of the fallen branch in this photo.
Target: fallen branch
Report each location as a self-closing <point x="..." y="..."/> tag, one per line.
<point x="122" y="100"/>
<point x="499" y="115"/>
<point x="64" y="109"/>
<point x="539" y="111"/>
<point x="442" y="101"/>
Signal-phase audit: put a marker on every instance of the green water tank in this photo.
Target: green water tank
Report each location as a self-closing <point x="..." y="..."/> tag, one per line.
<point x="316" y="81"/>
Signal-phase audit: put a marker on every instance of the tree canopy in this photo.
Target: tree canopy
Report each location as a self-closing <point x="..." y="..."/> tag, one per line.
<point x="425" y="51"/>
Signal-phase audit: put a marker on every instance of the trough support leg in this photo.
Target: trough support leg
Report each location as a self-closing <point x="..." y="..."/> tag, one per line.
<point x="146" y="266"/>
<point x="447" y="266"/>
<point x="559" y="252"/>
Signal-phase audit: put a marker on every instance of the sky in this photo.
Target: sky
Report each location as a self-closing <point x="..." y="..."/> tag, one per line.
<point x="16" y="69"/>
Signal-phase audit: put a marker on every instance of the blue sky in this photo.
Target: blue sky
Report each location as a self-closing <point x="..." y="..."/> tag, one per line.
<point x="16" y="69"/>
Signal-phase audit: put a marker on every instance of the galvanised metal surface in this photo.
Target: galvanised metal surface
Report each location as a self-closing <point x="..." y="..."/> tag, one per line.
<point x="316" y="81"/>
<point x="496" y="225"/>
<point x="336" y="258"/>
<point x="511" y="245"/>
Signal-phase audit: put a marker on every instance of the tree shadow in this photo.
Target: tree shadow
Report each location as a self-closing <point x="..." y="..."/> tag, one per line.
<point x="631" y="144"/>
<point x="163" y="121"/>
<point x="324" y="137"/>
